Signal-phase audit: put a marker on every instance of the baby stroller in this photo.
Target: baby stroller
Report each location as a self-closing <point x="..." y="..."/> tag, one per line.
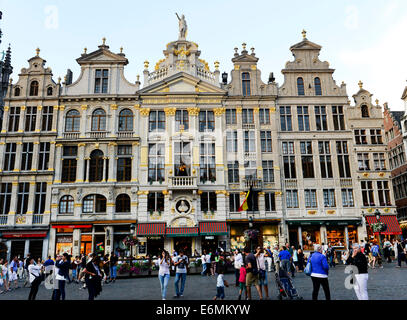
<point x="285" y="286"/>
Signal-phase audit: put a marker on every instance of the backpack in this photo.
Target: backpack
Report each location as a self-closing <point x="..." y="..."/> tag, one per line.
<point x="308" y="268"/>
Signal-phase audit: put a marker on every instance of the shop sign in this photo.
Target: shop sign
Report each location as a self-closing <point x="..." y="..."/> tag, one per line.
<point x="142" y="248"/>
<point x="155" y="238"/>
<point x="64" y="239"/>
<point x="209" y="237"/>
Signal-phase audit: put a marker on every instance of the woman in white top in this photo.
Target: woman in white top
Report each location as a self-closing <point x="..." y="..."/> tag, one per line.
<point x="3" y="275"/>
<point x="34" y="273"/>
<point x="164" y="263"/>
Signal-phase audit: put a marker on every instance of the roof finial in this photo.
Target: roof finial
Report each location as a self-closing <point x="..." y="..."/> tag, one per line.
<point x="59" y="80"/>
<point x="104" y="41"/>
<point x="85" y="50"/>
<point x="138" y="78"/>
<point x="216" y="63"/>
<point x="360" y="84"/>
<point x="146" y="63"/>
<point x="244" y="46"/>
<point x="38" y="51"/>
<point x="304" y="34"/>
<point x="377" y="102"/>
<point x="121" y="49"/>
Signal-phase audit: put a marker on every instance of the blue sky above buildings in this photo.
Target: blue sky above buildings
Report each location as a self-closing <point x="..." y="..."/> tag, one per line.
<point x="362" y="40"/>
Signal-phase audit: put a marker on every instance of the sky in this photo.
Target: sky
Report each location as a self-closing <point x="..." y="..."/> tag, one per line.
<point x="362" y="40"/>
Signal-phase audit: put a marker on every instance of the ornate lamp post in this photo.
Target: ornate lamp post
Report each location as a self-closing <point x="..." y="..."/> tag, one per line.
<point x="132" y="229"/>
<point x="381" y="226"/>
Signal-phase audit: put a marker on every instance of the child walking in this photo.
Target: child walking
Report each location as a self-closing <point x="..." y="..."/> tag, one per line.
<point x="242" y="282"/>
<point x="220" y="285"/>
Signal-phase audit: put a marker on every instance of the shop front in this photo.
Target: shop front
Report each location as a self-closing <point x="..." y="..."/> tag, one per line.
<point x="212" y="235"/>
<point x="183" y="238"/>
<point x="72" y="239"/>
<point x="20" y="243"/>
<point x="392" y="229"/>
<point x="150" y="239"/>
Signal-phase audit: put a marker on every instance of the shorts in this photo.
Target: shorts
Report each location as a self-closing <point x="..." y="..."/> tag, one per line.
<point x="13" y="276"/>
<point x="220" y="292"/>
<point x="263" y="281"/>
<point x="242" y="286"/>
<point x="252" y="279"/>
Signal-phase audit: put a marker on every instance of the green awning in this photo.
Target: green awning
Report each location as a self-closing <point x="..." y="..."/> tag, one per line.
<point x="324" y="222"/>
<point x="182" y="232"/>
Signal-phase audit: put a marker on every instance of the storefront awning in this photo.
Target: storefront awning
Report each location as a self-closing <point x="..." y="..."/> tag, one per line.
<point x="390" y="221"/>
<point x="150" y="229"/>
<point x="324" y="222"/>
<point x="182" y="232"/>
<point x="72" y="226"/>
<point x="213" y="228"/>
<point x="24" y="234"/>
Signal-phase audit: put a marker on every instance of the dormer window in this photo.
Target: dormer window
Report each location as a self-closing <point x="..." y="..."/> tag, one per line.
<point x="246" y="84"/>
<point x="49" y="91"/>
<point x="34" y="88"/>
<point x="365" y="111"/>
<point x="300" y="86"/>
<point x="17" y="92"/>
<point x="318" y="90"/>
<point x="101" y="80"/>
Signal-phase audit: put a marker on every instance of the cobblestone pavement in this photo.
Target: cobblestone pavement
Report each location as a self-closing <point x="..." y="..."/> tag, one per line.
<point x="389" y="283"/>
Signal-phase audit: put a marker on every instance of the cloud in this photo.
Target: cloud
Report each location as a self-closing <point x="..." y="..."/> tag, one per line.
<point x="52" y="17"/>
<point x="352" y="17"/>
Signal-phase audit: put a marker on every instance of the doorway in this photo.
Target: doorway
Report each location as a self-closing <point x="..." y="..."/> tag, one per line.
<point x="100" y="244"/>
<point x="17" y="248"/>
<point x="209" y="243"/>
<point x="36" y="249"/>
<point x="86" y="244"/>
<point x="184" y="243"/>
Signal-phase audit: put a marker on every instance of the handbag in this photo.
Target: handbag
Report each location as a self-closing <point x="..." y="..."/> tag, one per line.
<point x="308" y="268"/>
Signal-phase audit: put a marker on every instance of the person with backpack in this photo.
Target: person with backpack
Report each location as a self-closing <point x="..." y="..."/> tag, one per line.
<point x="319" y="273"/>
<point x="180" y="262"/>
<point x="35" y="276"/>
<point x="252" y="274"/>
<point x="376" y="255"/>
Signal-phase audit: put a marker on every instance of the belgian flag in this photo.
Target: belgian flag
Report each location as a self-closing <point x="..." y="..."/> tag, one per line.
<point x="244" y="206"/>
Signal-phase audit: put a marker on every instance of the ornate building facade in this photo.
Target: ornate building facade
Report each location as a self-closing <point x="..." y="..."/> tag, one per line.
<point x="172" y="161"/>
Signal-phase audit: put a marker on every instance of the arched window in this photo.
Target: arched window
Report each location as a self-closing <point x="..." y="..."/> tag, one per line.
<point x="49" y="91"/>
<point x="94" y="203"/>
<point x="99" y="120"/>
<point x="17" y="92"/>
<point x="365" y="111"/>
<point x="318" y="90"/>
<point x="96" y="166"/>
<point x="72" y="122"/>
<point x="300" y="86"/>
<point x="123" y="203"/>
<point x="246" y="84"/>
<point x="66" y="205"/>
<point x="126" y="120"/>
<point x="34" y="88"/>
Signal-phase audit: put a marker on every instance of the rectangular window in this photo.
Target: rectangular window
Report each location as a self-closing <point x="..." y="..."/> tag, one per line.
<point x="347" y="198"/>
<point x="367" y="193"/>
<point x="303" y="118"/>
<point x="182" y="158"/>
<point x="268" y="171"/>
<point x="124" y="163"/>
<point x="231" y="116"/>
<point x="265" y="140"/>
<point x="22" y="197"/>
<point x="233" y="172"/>
<point x="338" y="117"/>
<point x="320" y="118"/>
<point x="101" y="80"/>
<point x="343" y="159"/>
<point x="249" y="141"/>
<point x="206" y="121"/>
<point x="363" y="162"/>
<point x="292" y="198"/>
<point x="43" y="159"/>
<point x="270" y="201"/>
<point x="156" y="121"/>
<point x="384" y="193"/>
<point x="156" y="158"/>
<point x="181" y="120"/>
<point x="264" y="116"/>
<point x="289" y="160"/>
<point x="207" y="162"/>
<point x="47" y="116"/>
<point x="311" y="198"/>
<point x="234" y="202"/>
<point x="155" y="202"/>
<point x="329" y="198"/>
<point x="231" y="141"/>
<point x="376" y="136"/>
<point x="208" y="202"/>
<point x="307" y="159"/>
<point x="69" y="164"/>
<point x="27" y="156"/>
<point x="14" y="119"/>
<point x="5" y="197"/>
<point x="325" y="159"/>
<point x="360" y="137"/>
<point x="253" y="201"/>
<point x="250" y="170"/>
<point x="10" y="156"/>
<point x="285" y="119"/>
<point x="247" y="116"/>
<point x="40" y="196"/>
<point x="30" y="118"/>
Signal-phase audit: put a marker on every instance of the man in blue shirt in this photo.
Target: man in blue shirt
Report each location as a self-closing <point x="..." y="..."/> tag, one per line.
<point x="13" y="267"/>
<point x="285" y="257"/>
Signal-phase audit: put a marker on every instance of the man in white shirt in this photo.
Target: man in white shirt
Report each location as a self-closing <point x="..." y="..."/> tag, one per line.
<point x="238" y="262"/>
<point x="262" y="271"/>
<point x="181" y="262"/>
<point x="203" y="260"/>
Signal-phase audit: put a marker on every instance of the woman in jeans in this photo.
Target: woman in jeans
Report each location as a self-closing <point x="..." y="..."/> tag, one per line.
<point x="34" y="274"/>
<point x="319" y="273"/>
<point x="164" y="272"/>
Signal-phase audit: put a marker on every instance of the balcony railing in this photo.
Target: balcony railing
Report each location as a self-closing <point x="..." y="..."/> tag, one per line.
<point x="291" y="183"/>
<point x="346" y="183"/>
<point x="37" y="218"/>
<point x="71" y="135"/>
<point x="182" y="182"/>
<point x="248" y="126"/>
<point x="254" y="183"/>
<point x="3" y="219"/>
<point x="98" y="134"/>
<point x="125" y="134"/>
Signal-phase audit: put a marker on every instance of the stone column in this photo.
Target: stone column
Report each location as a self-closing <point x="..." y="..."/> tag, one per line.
<point x="346" y="238"/>
<point x="113" y="121"/>
<point x="80" y="163"/>
<point x="112" y="162"/>
<point x="56" y="121"/>
<point x="13" y="204"/>
<point x="221" y="204"/>
<point x="5" y="119"/>
<point x="135" y="162"/>
<point x="109" y="239"/>
<point x="76" y="242"/>
<point x="58" y="164"/>
<point x="323" y="234"/>
<point x="2" y="150"/>
<point x="300" y="236"/>
<point x="51" y="163"/>
<point x="262" y="203"/>
<point x="22" y="119"/>
<point x="220" y="165"/>
<point x="47" y="213"/>
<point x="86" y="172"/>
<point x="104" y="169"/>
<point x="31" y="198"/>
<point x="17" y="163"/>
<point x="84" y="117"/>
<point x="38" y="120"/>
<point x="52" y="242"/>
<point x="36" y="156"/>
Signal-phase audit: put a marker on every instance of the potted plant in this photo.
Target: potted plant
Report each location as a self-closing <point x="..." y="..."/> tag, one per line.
<point x="212" y="212"/>
<point x="151" y="212"/>
<point x="213" y="180"/>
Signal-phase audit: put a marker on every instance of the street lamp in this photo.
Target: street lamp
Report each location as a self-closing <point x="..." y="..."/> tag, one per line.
<point x="132" y="229"/>
<point x="251" y="222"/>
<point x="377" y="213"/>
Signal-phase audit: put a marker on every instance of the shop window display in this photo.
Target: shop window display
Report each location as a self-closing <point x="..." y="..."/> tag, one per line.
<point x="310" y="237"/>
<point x="336" y="236"/>
<point x="270" y="235"/>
